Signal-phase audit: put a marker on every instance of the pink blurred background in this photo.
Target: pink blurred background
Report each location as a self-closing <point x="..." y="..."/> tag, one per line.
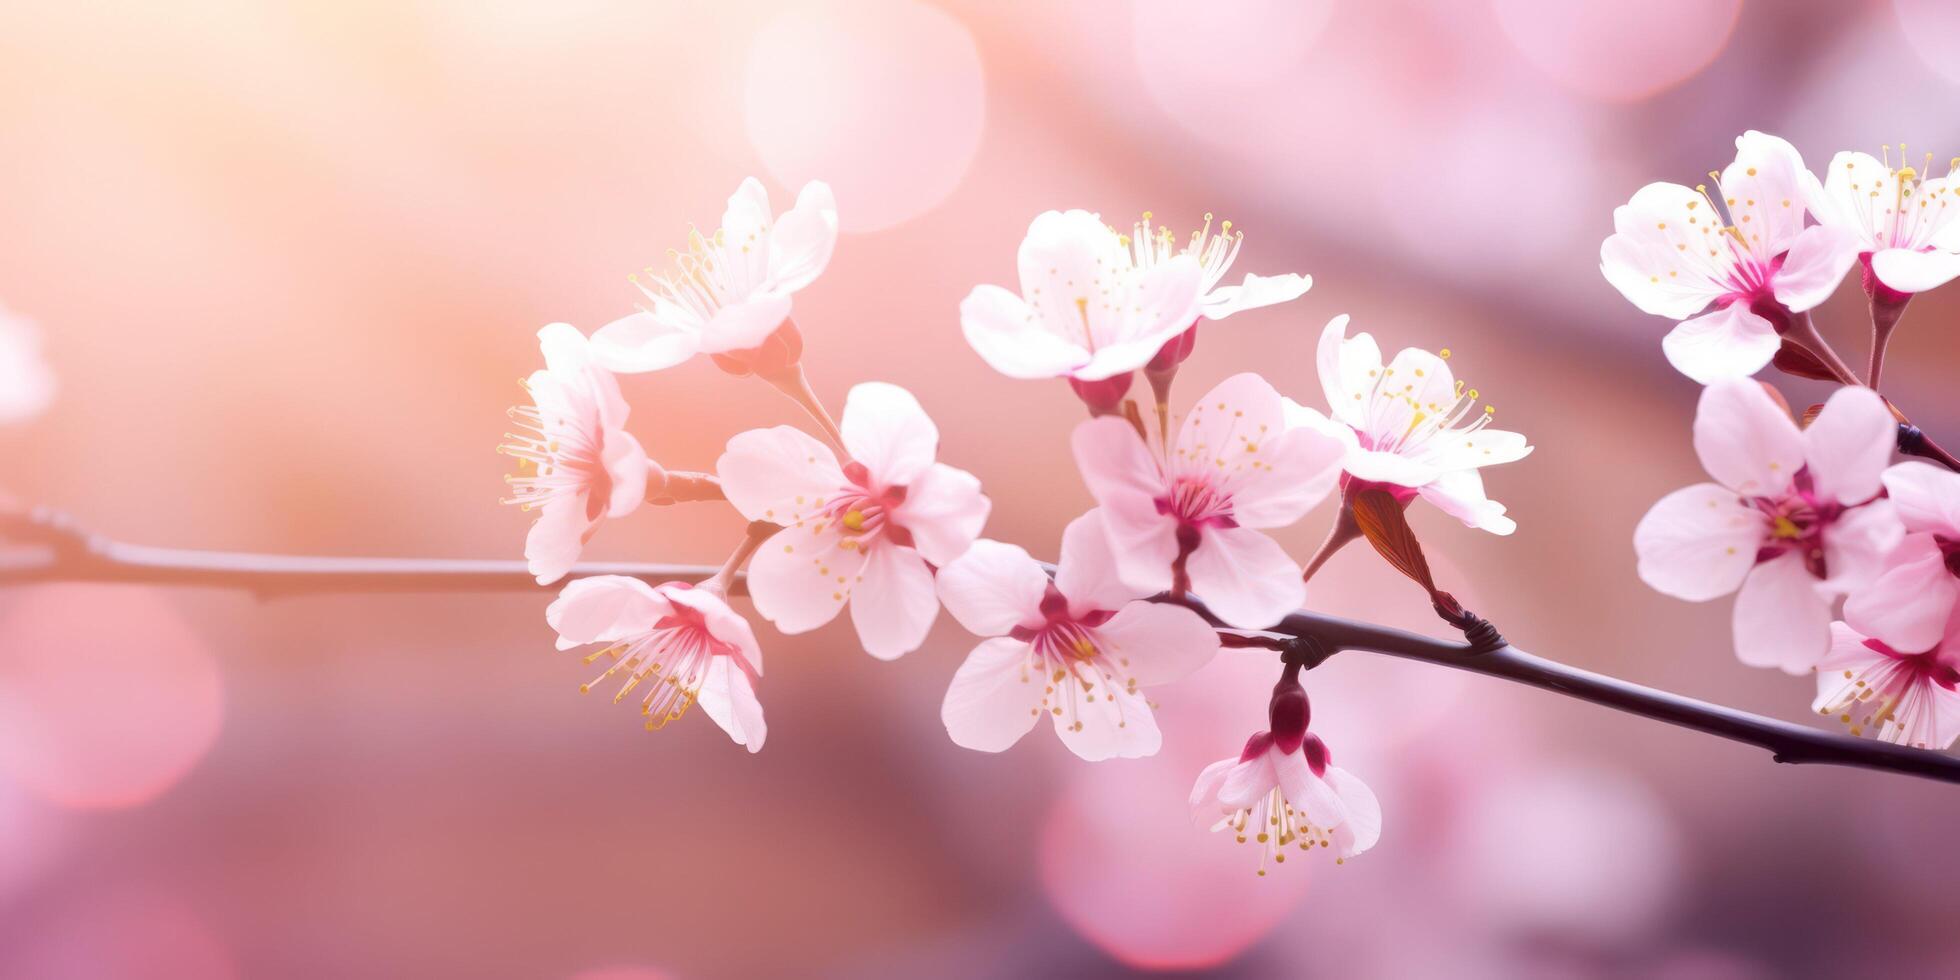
<point x="288" y="261"/>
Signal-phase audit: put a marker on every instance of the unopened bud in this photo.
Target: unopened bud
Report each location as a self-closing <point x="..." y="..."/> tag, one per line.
<point x="1103" y="397"/>
<point x="1318" y="758"/>
<point x="1289" y="713"/>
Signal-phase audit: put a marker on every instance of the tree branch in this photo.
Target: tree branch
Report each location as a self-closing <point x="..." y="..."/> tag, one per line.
<point x="43" y="546"/>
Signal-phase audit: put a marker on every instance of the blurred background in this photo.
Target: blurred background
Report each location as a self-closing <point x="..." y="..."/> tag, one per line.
<point x="287" y="262"/>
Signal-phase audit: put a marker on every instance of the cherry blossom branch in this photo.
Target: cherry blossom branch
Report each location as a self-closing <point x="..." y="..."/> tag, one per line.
<point x="43" y="546"/>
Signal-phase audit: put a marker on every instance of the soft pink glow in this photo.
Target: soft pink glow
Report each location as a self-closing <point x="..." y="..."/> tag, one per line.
<point x="884" y="99"/>
<point x="108" y="697"/>
<point x="1619" y="52"/>
<point x="132" y="933"/>
<point x="1932" y="28"/>
<point x="621" y="973"/>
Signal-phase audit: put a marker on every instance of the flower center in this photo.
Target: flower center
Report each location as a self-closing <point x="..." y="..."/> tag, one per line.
<point x="1072" y="666"/>
<point x="712" y="273"/>
<point x="1402" y="419"/>
<point x="1895" y="207"/>
<point x="674" y="656"/>
<point x="1197" y="501"/>
<point x="557" y="457"/>
<point x="1153" y="246"/>
<point x="1797" y="523"/>
<point x="863" y="512"/>
<point x="1274" y="824"/>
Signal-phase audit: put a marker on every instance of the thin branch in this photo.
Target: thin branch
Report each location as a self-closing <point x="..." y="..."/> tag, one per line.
<point x="44" y="547"/>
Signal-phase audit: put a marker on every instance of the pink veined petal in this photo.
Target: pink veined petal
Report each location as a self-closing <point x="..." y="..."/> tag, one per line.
<point x="556" y="538"/>
<point x="1347" y="366"/>
<point x="639" y="342"/>
<point x="1908" y="605"/>
<point x="944" y="510"/>
<point x="1814" y="267"/>
<point x="801" y="577"/>
<point x="1848" y="445"/>
<point x="1007" y="333"/>
<point x="604" y="609"/>
<point x="1254" y="292"/>
<point x="1768" y="188"/>
<point x="1746" y="441"/>
<point x="993" y="588"/>
<point x="728" y="697"/>
<point x="1232" y="431"/>
<point x="1915" y="272"/>
<point x="626" y="464"/>
<point x="1307" y="792"/>
<point x="993" y="700"/>
<point x="1205" y="807"/>
<point x="1364" y="812"/>
<point x="1460" y="494"/>
<point x="1301" y="466"/>
<point x="1857" y="544"/>
<point x="1248" y="782"/>
<point x="1698" y="542"/>
<point x="1086" y="575"/>
<point x="1781" y="619"/>
<point x="885" y="429"/>
<point x="1730" y="342"/>
<point x="1118" y="724"/>
<point x="780" y="474"/>
<point x="1245" y="577"/>
<point x="724" y="623"/>
<point x="1125" y="481"/>
<point x="1647" y="269"/>
<point x="1157" y="644"/>
<point x="1380" y="467"/>
<point x="803" y="239"/>
<point x="903" y="602"/>
<point x="745" y="323"/>
<point x="1927" y="497"/>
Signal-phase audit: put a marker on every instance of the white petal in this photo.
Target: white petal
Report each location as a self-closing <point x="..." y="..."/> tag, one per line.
<point x="1767" y="189"/>
<point x="801" y="243"/>
<point x="626" y="468"/>
<point x="1381" y="467"/>
<point x="1156" y="643"/>
<point x="1008" y="334"/>
<point x="1307" y="792"/>
<point x="1087" y="575"/>
<point x="1116" y="725"/>
<point x="1245" y="577"/>
<point x="1205" y="807"/>
<point x="744" y="324"/>
<point x="1348" y="367"/>
<point x="1816" y="264"/>
<point x="885" y="429"/>
<point x="640" y="342"/>
<point x="944" y="510"/>
<point x="801" y="577"/>
<point x="993" y="588"/>
<point x="728" y="697"/>
<point x="1908" y="606"/>
<point x="1254" y="292"/>
<point x="1643" y="258"/>
<point x="748" y="210"/>
<point x="1927" y="497"/>
<point x="1915" y="272"/>
<point x="1460" y="494"/>
<point x="993" y="700"/>
<point x="1236" y="431"/>
<point x="1848" y="445"/>
<point x="723" y="622"/>
<point x="1466" y="450"/>
<point x="1746" y="440"/>
<point x="604" y="609"/>
<point x="1780" y="619"/>
<point x="1730" y="342"/>
<point x="1249" y="781"/>
<point x="900" y="605"/>
<point x="558" y="536"/>
<point x="1857" y="544"/>
<point x="1364" y="812"/>
<point x="780" y="474"/>
<point x="1123" y="477"/>
<point x="1698" y="542"/>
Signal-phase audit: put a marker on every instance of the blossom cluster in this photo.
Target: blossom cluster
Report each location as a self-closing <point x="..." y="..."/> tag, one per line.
<point x="1805" y="514"/>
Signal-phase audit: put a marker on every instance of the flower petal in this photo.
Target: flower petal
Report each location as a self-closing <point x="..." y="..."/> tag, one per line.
<point x="803" y="239"/>
<point x="1125" y="480"/>
<point x="1086" y="575"/>
<point x="723" y="622"/>
<point x="728" y="697"/>
<point x="1245" y="577"/>
<point x="1307" y="792"/>
<point x="1781" y="620"/>
<point x="1348" y="367"/>
<point x="993" y="588"/>
<point x="1254" y="292"/>
<point x="801" y="577"/>
<point x="1008" y="334"/>
<point x="885" y="429"/>
<point x="1857" y="544"/>
<point x="1927" y="497"/>
<point x="1156" y="643"/>
<point x="745" y="323"/>
<point x="1460" y="494"/>
<point x="993" y="700"/>
<point x="1363" y="826"/>
<point x="944" y="510"/>
<point x="1746" y="440"/>
<point x="1643" y="256"/>
<point x="1730" y="342"/>
<point x="1380" y="467"/>
<point x="780" y="474"/>
<point x="1915" y="272"/>
<point x="1205" y="807"/>
<point x="626" y="467"/>
<point x="1249" y="781"/>
<point x="1908" y="605"/>
<point x="1108" y="723"/>
<point x="604" y="609"/>
<point x="640" y="341"/>
<point x="1698" y="542"/>
<point x="1848" y="445"/>
<point x="901" y="602"/>
<point x="557" y="537"/>
<point x="1767" y="189"/>
<point x="1815" y="265"/>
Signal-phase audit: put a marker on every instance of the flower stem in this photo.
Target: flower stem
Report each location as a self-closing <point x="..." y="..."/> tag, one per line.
<point x="1803" y="333"/>
<point x="59" y="551"/>
<point x="1345" y="530"/>
<point x="1885" y="316"/>
<point x="758" y="532"/>
<point x="792" y="382"/>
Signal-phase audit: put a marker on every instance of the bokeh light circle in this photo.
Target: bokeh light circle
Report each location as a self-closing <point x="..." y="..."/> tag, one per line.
<point x="1619" y="52"/>
<point x="106" y="695"/>
<point x="1215" y="67"/>
<point x="883" y="99"/>
<point x="1932" y="28"/>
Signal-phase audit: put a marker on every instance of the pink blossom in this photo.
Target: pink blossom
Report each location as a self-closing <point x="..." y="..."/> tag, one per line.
<point x="1907" y="698"/>
<point x="1731" y="265"/>
<point x="582" y="465"/>
<point x="1279" y="798"/>
<point x="1409" y="426"/>
<point x="680" y="644"/>
<point x="730" y="290"/>
<point x="1908" y="603"/>
<point x="1795" y="518"/>
<point x="1150" y="247"/>
<point x="1086" y="310"/>
<point x="873" y="523"/>
<point x="1076" y="649"/>
<point x="1235" y="467"/>
<point x="1900" y="218"/>
<point x="26" y="383"/>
